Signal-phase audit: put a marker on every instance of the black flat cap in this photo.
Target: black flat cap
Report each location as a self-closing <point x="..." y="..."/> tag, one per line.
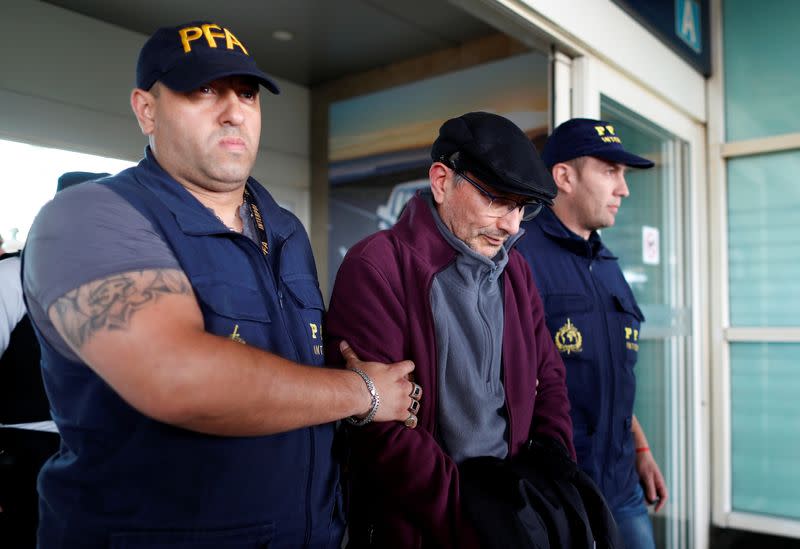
<point x="496" y="151"/>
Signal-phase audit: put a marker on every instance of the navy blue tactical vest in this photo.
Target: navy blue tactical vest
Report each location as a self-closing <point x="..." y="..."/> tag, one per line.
<point x="124" y="480"/>
<point x="594" y="319"/>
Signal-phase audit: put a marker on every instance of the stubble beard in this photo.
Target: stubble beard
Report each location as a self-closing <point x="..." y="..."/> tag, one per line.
<point x="226" y="174"/>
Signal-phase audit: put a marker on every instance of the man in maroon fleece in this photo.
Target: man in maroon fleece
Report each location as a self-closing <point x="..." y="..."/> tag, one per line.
<point x="445" y="289"/>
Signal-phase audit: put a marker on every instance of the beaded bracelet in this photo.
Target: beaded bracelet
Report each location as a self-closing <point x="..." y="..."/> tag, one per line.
<point x="376" y="400"/>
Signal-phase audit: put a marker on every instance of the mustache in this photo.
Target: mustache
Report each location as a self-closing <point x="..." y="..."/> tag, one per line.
<point x="495" y="234"/>
<point x="229" y="132"/>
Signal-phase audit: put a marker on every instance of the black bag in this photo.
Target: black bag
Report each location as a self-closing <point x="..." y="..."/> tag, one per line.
<point x="539" y="499"/>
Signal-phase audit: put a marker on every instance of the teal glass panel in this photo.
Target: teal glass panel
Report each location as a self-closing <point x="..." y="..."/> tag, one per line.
<point x="653" y="206"/>
<point x="764" y="240"/>
<point x="765" y="428"/>
<point x="652" y="400"/>
<point x="762" y="71"/>
<point x="644" y="207"/>
<point x="654" y="396"/>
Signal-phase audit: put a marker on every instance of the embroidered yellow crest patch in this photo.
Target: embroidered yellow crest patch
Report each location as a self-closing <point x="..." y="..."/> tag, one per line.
<point x="568" y="339"/>
<point x="236" y="337"/>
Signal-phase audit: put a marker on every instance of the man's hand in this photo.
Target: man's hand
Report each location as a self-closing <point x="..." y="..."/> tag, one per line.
<point x="391" y="381"/>
<point x="655" y="489"/>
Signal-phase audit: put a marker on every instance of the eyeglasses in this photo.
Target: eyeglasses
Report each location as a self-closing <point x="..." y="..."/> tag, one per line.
<point x="501" y="206"/>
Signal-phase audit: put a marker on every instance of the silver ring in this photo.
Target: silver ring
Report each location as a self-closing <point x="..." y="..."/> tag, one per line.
<point x="411" y="421"/>
<point x="416" y="391"/>
<point x="414" y="408"/>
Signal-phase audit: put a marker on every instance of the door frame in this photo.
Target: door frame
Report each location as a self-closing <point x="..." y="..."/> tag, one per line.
<point x="590" y="79"/>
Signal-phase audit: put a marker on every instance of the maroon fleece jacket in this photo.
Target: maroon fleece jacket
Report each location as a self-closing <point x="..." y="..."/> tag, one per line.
<point x="404" y="488"/>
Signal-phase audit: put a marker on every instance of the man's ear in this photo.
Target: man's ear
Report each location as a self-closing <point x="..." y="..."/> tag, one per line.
<point x="143" y="105"/>
<point x="438" y="175"/>
<point x="564" y="175"/>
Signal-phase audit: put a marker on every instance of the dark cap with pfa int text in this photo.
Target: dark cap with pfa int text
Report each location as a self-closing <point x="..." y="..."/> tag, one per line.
<point x="587" y="137"/>
<point x="187" y="56"/>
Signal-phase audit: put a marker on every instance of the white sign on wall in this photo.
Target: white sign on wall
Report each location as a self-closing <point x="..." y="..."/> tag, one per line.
<point x="651" y="246"/>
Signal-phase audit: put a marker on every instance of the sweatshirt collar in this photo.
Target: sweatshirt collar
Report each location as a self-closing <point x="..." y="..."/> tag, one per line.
<point x="495" y="264"/>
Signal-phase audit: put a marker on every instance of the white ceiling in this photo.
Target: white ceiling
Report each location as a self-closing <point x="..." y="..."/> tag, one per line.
<point x="332" y="38"/>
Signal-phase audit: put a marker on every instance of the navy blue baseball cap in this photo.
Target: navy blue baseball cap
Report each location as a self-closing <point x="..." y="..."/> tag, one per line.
<point x="187" y="56"/>
<point x="496" y="151"/>
<point x="586" y="137"/>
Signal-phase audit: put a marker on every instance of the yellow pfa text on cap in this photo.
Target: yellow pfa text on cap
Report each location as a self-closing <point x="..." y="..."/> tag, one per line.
<point x="602" y="130"/>
<point x="211" y="32"/>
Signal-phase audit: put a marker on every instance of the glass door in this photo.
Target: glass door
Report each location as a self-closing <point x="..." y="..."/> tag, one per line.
<point x="648" y="238"/>
<point x="660" y="237"/>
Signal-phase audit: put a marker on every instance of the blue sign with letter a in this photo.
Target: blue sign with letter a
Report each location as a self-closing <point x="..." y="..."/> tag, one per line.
<point x="688" y="24"/>
<point x="680" y="24"/>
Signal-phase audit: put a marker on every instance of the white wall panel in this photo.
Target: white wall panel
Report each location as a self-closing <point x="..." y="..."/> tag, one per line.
<point x="65" y="82"/>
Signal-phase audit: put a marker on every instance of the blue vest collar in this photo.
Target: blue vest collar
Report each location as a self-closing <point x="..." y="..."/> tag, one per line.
<point x="553" y="227"/>
<point x="196" y="219"/>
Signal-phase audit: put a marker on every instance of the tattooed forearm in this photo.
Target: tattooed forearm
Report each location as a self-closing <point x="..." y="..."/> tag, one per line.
<point x="109" y="303"/>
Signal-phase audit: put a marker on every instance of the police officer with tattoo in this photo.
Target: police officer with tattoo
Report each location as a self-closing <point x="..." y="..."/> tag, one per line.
<point x="179" y="315"/>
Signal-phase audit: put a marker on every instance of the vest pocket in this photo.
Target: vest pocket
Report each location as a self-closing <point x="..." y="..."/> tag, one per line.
<point x="628" y="305"/>
<point x="232" y="310"/>
<point x="305" y="290"/>
<point x="568" y="322"/>
<point x="630" y="319"/>
<point x="231" y="300"/>
<point x="573" y="327"/>
<point x="250" y="537"/>
<point x="306" y="300"/>
<point x="566" y="304"/>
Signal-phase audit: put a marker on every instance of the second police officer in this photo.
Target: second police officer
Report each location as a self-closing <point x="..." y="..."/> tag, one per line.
<point x="594" y="318"/>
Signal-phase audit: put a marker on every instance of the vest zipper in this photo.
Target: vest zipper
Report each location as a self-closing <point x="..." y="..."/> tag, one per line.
<point x="309" y="483"/>
<point x="609" y="380"/>
<point x="504" y="289"/>
<point x="276" y="282"/>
